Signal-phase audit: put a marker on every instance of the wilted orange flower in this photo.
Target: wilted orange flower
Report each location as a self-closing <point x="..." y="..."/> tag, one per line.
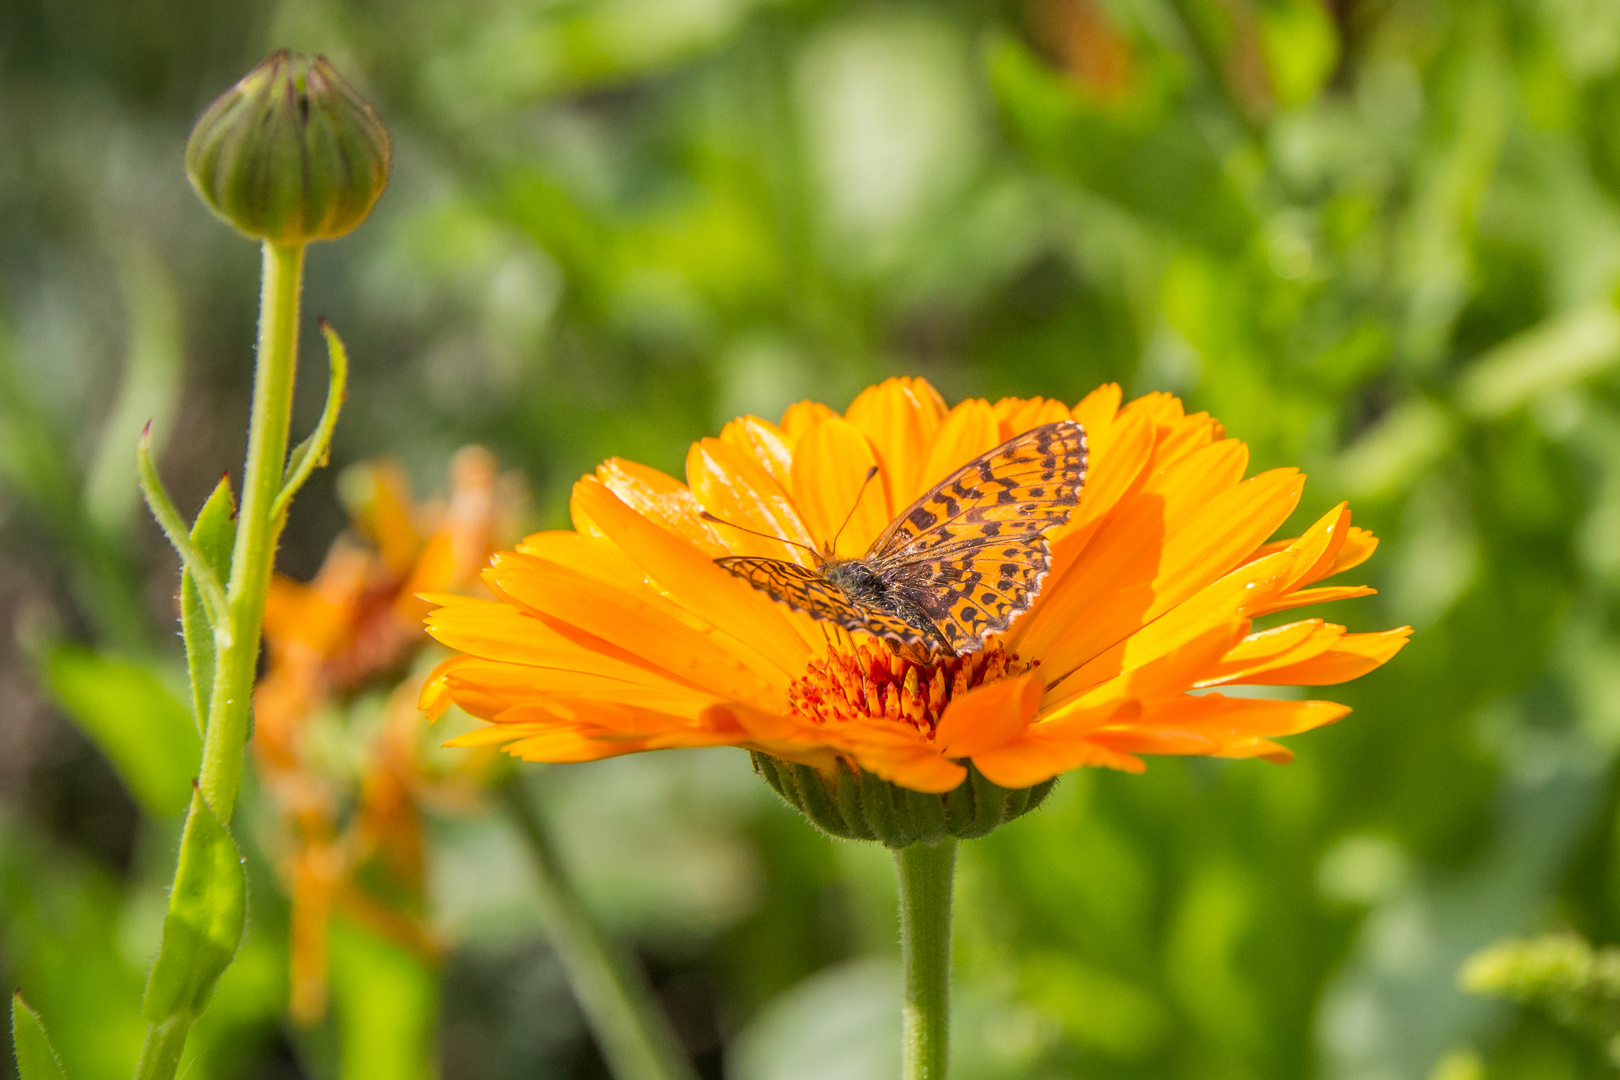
<point x="357" y="623"/>
<point x="623" y="635"/>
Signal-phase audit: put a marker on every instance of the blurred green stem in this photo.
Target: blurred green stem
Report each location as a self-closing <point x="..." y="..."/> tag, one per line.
<point x="630" y="1029"/>
<point x="236" y="640"/>
<point x="237" y="648"/>
<point x="165" y="1042"/>
<point x="926" y="874"/>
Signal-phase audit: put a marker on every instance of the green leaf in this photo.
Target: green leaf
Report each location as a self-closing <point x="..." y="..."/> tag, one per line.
<point x="207" y="910"/>
<point x="134" y="719"/>
<point x="214" y="534"/>
<point x="36" y="1057"/>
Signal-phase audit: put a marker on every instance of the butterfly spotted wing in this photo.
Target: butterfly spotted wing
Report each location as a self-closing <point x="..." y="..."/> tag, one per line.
<point x="808" y="590"/>
<point x="960" y="563"/>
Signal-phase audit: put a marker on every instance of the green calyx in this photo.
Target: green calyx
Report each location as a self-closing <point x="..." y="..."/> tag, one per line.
<point x="856" y="805"/>
<point x="291" y="154"/>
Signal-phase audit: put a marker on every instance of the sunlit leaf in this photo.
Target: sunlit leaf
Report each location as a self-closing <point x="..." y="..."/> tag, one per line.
<point x="207" y="910"/>
<point x="214" y="534"/>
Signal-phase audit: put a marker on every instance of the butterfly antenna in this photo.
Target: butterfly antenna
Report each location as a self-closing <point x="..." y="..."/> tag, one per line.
<point x="833" y="546"/>
<point x="706" y="516"/>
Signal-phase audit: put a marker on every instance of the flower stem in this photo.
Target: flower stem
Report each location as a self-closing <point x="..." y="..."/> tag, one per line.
<point x="237" y="650"/>
<point x="236" y="638"/>
<point x="926" y="874"/>
<point x="629" y="1028"/>
<point x="160" y="1055"/>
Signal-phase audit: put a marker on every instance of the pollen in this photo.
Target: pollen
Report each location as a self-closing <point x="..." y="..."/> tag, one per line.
<point x="866" y="680"/>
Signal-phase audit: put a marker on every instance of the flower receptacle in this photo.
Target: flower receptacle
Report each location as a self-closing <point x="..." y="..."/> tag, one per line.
<point x="857" y="805"/>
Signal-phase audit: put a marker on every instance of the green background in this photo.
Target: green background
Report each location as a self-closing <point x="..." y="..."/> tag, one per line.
<point x="1380" y="239"/>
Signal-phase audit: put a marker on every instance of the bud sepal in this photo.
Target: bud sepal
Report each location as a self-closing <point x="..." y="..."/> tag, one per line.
<point x="291" y="154"/>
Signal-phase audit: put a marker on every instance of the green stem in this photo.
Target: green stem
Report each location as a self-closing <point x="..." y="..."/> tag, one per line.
<point x="236" y="641"/>
<point x="926" y="874"/>
<point x="165" y="1042"/>
<point x="237" y="652"/>
<point x="630" y="1030"/>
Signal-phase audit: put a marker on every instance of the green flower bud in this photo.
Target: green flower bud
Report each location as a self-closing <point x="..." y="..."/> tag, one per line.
<point x="291" y="153"/>
<point x="857" y="805"/>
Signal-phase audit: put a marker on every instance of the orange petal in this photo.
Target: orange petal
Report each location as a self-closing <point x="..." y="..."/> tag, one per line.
<point x="1033" y="758"/>
<point x="900" y="418"/>
<point x="664" y="500"/>
<point x="1097" y="410"/>
<point x="734" y="487"/>
<point x="1117" y="459"/>
<point x="691" y="579"/>
<point x="988" y="716"/>
<point x="1323" y="595"/>
<point x="1173" y="672"/>
<point x="928" y="773"/>
<point x="1136" y="573"/>
<point x="800" y="416"/>
<point x="1351" y="656"/>
<point x="968" y="431"/>
<point x="1232" y="719"/>
<point x="765" y="441"/>
<point x="829" y="484"/>
<point x="1238" y="594"/>
<point x="1015" y="416"/>
<point x="1267" y="649"/>
<point x="638" y="628"/>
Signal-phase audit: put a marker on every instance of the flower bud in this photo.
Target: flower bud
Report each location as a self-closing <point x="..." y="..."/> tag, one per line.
<point x="857" y="805"/>
<point x="290" y="154"/>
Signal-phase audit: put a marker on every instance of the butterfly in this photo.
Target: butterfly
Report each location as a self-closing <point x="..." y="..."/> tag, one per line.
<point x="961" y="563"/>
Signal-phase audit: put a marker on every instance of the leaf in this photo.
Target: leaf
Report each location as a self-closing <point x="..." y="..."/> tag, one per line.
<point x="133" y="718"/>
<point x="214" y="534"/>
<point x="207" y="910"/>
<point x="36" y="1057"/>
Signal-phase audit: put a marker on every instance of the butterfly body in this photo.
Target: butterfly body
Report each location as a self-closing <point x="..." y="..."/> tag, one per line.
<point x="868" y="588"/>
<point x="960" y="563"/>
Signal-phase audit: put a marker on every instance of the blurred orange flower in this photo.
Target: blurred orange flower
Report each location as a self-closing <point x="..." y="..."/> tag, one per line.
<point x="357" y="624"/>
<point x="623" y="635"/>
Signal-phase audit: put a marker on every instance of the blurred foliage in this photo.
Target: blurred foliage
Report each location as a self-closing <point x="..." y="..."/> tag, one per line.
<point x="1560" y="974"/>
<point x="1379" y="238"/>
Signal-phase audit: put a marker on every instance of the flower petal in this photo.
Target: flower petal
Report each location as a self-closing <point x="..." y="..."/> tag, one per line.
<point x="765" y="442"/>
<point x="735" y="488"/>
<point x="968" y="431"/>
<point x="1350" y="657"/>
<point x="829" y="484"/>
<point x="988" y="716"/>
<point x="1033" y="758"/>
<point x="690" y="578"/>
<point x="1238" y="593"/>
<point x="636" y="627"/>
<point x="664" y="500"/>
<point x="900" y="418"/>
<point x="1133" y="572"/>
<point x="800" y="416"/>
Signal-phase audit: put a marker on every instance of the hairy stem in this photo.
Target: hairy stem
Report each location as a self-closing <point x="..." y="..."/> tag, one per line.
<point x="236" y="641"/>
<point x="926" y="874"/>
<point x="257" y="530"/>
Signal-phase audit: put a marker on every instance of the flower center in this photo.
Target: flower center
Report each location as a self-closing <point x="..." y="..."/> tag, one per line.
<point x="870" y="681"/>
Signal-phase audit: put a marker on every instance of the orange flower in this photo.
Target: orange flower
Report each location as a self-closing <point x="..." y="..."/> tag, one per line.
<point x="358" y="622"/>
<point x="623" y="635"/>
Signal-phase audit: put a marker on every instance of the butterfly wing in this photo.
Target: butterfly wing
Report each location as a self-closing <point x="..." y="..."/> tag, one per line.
<point x="971" y="554"/>
<point x="804" y="589"/>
